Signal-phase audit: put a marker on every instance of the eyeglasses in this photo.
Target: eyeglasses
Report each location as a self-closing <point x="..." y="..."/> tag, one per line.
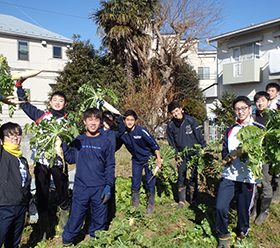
<point x="243" y="109"/>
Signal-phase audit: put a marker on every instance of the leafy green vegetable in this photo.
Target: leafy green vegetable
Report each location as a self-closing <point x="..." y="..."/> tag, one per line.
<point x="262" y="146"/>
<point x="45" y="134"/>
<point x="90" y="96"/>
<point x="168" y="173"/>
<point x="6" y="83"/>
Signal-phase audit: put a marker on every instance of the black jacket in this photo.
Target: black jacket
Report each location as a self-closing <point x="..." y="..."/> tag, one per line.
<point x="11" y="190"/>
<point x="184" y="135"/>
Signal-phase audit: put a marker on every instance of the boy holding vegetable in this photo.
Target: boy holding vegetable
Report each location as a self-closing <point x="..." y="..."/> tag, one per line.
<point x="141" y="145"/>
<point x="94" y="155"/>
<point x="15" y="181"/>
<point x="237" y="180"/>
<point x="183" y="131"/>
<point x="42" y="170"/>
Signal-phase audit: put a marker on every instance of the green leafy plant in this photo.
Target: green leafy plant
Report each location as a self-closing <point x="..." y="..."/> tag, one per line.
<point x="167" y="175"/>
<point x="6" y="83"/>
<point x="90" y="96"/>
<point x="261" y="146"/>
<point x="46" y="133"/>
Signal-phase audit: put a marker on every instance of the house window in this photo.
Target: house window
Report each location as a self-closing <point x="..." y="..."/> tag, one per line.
<point x="23" y="51"/>
<point x="203" y="73"/>
<point x="246" y="52"/>
<point x="57" y="52"/>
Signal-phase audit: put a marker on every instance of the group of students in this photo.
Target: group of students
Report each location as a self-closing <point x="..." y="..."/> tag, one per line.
<point x="93" y="152"/>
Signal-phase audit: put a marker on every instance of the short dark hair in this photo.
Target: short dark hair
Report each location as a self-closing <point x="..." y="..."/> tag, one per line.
<point x="260" y="94"/>
<point x="58" y="93"/>
<point x="244" y="99"/>
<point x="130" y="112"/>
<point x="9" y="128"/>
<point x="171" y="106"/>
<point x="108" y="117"/>
<point x="92" y="112"/>
<point x="272" y="85"/>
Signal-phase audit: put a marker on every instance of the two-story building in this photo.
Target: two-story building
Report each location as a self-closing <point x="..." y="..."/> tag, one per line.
<point x="30" y="47"/>
<point x="248" y="58"/>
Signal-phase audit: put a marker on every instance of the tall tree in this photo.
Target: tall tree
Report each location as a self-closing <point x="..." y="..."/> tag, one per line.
<point x="158" y="35"/>
<point x="125" y="24"/>
<point x="86" y="65"/>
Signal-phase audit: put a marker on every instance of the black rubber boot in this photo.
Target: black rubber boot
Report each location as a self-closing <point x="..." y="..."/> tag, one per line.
<point x="151" y="203"/>
<point x="265" y="203"/>
<point x="43" y="222"/>
<point x="224" y="242"/>
<point x="276" y="195"/>
<point x="135" y="199"/>
<point x="182" y="197"/>
<point x="191" y="194"/>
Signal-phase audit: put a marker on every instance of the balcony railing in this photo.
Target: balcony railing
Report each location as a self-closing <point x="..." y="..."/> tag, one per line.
<point x="243" y="71"/>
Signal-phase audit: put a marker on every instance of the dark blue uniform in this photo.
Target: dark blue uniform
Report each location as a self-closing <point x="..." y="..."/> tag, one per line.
<point x="95" y="168"/>
<point x="141" y="145"/>
<point x="184" y="133"/>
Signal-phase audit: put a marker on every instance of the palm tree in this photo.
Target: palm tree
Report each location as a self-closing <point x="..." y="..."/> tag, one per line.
<point x="125" y="25"/>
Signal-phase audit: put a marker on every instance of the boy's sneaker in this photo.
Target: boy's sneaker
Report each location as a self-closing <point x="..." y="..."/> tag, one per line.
<point x="33" y="213"/>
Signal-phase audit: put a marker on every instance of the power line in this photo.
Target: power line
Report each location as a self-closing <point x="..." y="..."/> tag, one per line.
<point x="44" y="10"/>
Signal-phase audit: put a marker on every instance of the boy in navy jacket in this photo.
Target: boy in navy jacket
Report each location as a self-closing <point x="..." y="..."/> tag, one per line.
<point x="263" y="194"/>
<point x="183" y="131"/>
<point x="141" y="145"/>
<point x="15" y="181"/>
<point x="42" y="170"/>
<point x="94" y="156"/>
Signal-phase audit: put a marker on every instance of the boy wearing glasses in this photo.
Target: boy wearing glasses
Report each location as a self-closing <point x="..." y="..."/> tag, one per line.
<point x="15" y="183"/>
<point x="237" y="180"/>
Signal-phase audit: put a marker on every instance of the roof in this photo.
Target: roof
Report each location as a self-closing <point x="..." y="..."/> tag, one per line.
<point x="13" y="26"/>
<point x="247" y="29"/>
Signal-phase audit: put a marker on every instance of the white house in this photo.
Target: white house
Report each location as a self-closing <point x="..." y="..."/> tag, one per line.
<point x="204" y="62"/>
<point x="248" y="58"/>
<point x="29" y="47"/>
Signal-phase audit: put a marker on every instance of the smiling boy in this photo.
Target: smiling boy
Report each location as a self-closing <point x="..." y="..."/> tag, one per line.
<point x="273" y="90"/>
<point x="237" y="180"/>
<point x="94" y="156"/>
<point x="15" y="181"/>
<point x="141" y="145"/>
<point x="42" y="169"/>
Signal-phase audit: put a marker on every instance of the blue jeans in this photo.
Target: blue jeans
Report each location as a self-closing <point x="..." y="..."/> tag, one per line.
<point x="243" y="192"/>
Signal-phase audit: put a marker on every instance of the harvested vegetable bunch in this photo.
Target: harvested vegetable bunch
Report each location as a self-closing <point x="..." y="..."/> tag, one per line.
<point x="168" y="170"/>
<point x="46" y="133"/>
<point x="6" y="83"/>
<point x="262" y="146"/>
<point x="92" y="97"/>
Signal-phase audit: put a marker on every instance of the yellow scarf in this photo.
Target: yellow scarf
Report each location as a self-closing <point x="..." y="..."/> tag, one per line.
<point x="13" y="149"/>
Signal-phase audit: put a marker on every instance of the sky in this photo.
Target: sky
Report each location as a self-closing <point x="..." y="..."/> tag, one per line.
<point x="68" y="17"/>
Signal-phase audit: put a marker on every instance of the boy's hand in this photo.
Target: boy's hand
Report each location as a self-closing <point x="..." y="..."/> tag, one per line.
<point x="11" y="100"/>
<point x="159" y="163"/>
<point x="106" y="194"/>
